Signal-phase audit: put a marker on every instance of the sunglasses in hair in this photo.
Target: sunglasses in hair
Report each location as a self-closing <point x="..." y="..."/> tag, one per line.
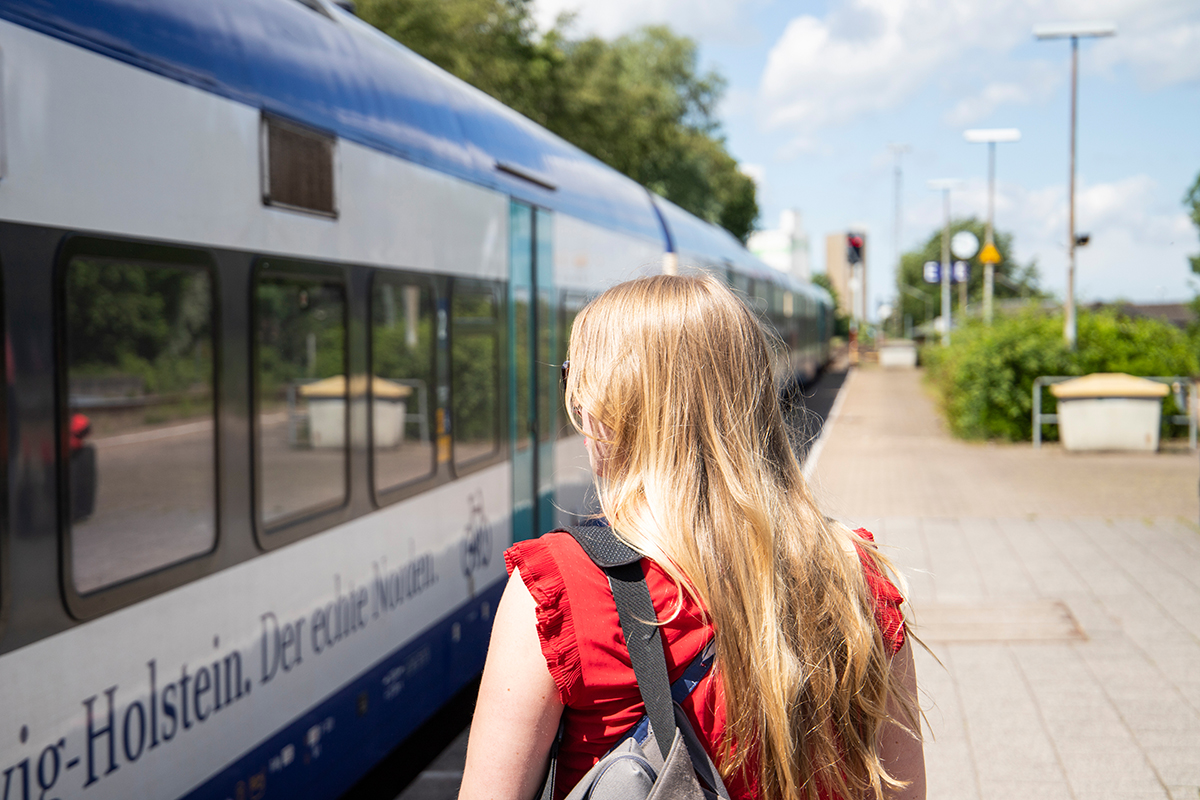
<point x="566" y="370"/>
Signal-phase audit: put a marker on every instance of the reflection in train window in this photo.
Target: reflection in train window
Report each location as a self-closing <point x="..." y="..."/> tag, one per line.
<point x="139" y="364"/>
<point x="475" y="371"/>
<point x="402" y="380"/>
<point x="761" y="302"/>
<point x="301" y="373"/>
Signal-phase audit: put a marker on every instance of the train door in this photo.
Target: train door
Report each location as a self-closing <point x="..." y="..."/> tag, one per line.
<point x="533" y="378"/>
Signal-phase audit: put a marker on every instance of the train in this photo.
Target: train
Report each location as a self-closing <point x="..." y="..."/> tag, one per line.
<point x="283" y="307"/>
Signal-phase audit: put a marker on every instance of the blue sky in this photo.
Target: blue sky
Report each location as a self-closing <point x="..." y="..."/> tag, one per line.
<point x="818" y="90"/>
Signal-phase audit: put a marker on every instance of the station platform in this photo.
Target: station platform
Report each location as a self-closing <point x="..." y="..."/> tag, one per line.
<point x="1060" y="593"/>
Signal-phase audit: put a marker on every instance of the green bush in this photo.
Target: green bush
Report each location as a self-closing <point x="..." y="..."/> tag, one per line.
<point x="984" y="379"/>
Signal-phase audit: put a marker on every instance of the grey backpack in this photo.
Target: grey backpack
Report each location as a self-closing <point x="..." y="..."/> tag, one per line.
<point x="660" y="758"/>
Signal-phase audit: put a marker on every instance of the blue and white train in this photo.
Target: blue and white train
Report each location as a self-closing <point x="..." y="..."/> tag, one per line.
<point x="282" y="304"/>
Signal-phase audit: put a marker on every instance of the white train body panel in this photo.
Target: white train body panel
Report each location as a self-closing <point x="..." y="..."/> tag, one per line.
<point x="590" y="257"/>
<point x="171" y="162"/>
<point x="402" y="569"/>
<point x="101" y="141"/>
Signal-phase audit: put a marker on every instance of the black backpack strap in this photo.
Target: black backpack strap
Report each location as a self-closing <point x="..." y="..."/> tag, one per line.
<point x="623" y="566"/>
<point x="603" y="547"/>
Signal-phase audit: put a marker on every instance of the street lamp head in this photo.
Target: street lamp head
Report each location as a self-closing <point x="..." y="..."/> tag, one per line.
<point x="1074" y="30"/>
<point x="992" y="135"/>
<point x="944" y="184"/>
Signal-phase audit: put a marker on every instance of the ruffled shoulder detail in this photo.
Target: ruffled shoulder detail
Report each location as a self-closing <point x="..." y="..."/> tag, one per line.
<point x="888" y="615"/>
<point x="541" y="574"/>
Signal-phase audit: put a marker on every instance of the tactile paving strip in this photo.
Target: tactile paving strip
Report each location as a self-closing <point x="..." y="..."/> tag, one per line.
<point x="1035" y="621"/>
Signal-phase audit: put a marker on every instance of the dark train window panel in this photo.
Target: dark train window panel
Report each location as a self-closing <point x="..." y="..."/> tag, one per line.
<point x="403" y="333"/>
<point x="140" y="420"/>
<point x="475" y="368"/>
<point x="298" y="167"/>
<point x="301" y="395"/>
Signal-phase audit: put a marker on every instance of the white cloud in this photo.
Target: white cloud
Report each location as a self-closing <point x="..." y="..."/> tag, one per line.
<point x="864" y="56"/>
<point x="722" y="20"/>
<point x="1159" y="40"/>
<point x="735" y="102"/>
<point x="1033" y="81"/>
<point x="1140" y="238"/>
<point x="755" y="172"/>
<point x="867" y="56"/>
<point x="799" y="146"/>
<point x="979" y="106"/>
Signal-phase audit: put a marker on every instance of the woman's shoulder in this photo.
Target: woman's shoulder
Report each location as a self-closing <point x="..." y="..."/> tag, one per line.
<point x="886" y="595"/>
<point x="578" y="619"/>
<point x="549" y="557"/>
<point x="554" y="568"/>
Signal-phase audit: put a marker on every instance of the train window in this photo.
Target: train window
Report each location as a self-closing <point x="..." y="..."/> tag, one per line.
<point x="141" y="490"/>
<point x="402" y="379"/>
<point x="740" y="285"/>
<point x="297" y="167"/>
<point x="762" y="298"/>
<point x="300" y="355"/>
<point x="475" y="360"/>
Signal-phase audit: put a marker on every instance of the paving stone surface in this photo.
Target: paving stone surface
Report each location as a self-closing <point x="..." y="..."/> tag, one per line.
<point x="1108" y="711"/>
<point x="1111" y="713"/>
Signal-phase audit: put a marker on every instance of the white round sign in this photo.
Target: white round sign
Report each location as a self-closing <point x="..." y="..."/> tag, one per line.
<point x="964" y="244"/>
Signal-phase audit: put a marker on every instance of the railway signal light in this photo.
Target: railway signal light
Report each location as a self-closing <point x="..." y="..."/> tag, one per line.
<point x="854" y="247"/>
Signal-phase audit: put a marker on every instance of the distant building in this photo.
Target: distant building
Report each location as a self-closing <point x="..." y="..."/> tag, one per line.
<point x="786" y="247"/>
<point x="849" y="284"/>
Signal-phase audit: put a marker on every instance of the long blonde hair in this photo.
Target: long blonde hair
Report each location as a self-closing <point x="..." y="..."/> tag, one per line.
<point x="698" y="475"/>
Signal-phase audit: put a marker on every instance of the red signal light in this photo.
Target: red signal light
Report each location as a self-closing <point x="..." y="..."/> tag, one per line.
<point x="854" y="247"/>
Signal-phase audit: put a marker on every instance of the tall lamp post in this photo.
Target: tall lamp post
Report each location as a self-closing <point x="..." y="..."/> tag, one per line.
<point x="1074" y="32"/>
<point x="945" y="185"/>
<point x="898" y="150"/>
<point x="990" y="257"/>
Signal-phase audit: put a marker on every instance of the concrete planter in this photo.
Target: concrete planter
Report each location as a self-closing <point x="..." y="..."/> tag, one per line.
<point x="898" y="353"/>
<point x="1109" y="411"/>
<point x="327" y="411"/>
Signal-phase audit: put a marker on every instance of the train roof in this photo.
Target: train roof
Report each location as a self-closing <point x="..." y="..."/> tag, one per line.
<point x="699" y="244"/>
<point x="314" y="63"/>
<point x="693" y="238"/>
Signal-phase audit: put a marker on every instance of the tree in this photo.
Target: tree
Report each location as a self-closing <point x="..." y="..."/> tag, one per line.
<point x="1191" y="201"/>
<point x="639" y="103"/>
<point x="491" y="44"/>
<point x="841" y="321"/>
<point x="1012" y="279"/>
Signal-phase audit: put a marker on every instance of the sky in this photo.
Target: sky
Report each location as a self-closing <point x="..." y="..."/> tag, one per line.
<point x="819" y="89"/>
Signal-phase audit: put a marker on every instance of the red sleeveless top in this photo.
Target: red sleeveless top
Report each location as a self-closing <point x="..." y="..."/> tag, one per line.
<point x="580" y="634"/>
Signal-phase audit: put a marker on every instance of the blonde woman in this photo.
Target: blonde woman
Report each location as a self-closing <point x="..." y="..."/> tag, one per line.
<point x="813" y="690"/>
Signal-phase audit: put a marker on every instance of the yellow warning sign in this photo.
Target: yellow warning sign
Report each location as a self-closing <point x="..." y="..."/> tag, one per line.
<point x="989" y="254"/>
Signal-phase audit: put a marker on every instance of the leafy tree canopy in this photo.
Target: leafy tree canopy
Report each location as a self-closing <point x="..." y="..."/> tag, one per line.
<point x="841" y="321"/>
<point x="1191" y="201"/>
<point x="639" y="103"/>
<point x="1012" y="279"/>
